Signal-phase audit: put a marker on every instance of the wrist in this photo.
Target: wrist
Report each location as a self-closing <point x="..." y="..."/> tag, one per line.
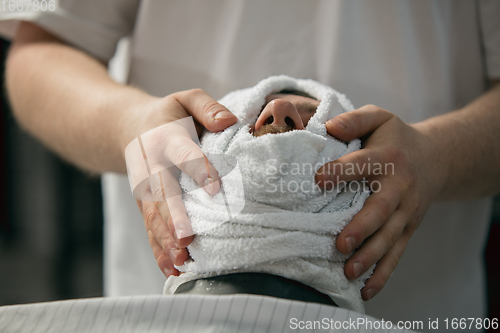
<point x="436" y="162"/>
<point x="134" y="114"/>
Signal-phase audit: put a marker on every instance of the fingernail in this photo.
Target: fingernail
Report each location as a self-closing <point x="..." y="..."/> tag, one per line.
<point x="167" y="272"/>
<point x="356" y="269"/>
<point x="211" y="186"/>
<point x="208" y="185"/>
<point x="182" y="228"/>
<point x="223" y="115"/>
<point x="174" y="253"/>
<point x="350" y="242"/>
<point x="180" y="233"/>
<point x="369" y="294"/>
<point x="339" y="123"/>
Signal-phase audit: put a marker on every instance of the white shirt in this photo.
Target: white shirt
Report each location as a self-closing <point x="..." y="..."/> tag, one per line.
<point x="417" y="59"/>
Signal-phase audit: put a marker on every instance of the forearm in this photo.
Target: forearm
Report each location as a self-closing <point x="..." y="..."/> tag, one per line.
<point x="466" y="150"/>
<point x="66" y="99"/>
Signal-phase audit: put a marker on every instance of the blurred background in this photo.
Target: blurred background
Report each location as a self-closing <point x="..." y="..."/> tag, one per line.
<point x="51" y="220"/>
<point x="51" y="224"/>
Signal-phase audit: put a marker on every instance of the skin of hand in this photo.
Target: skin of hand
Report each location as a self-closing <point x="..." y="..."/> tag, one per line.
<point x="92" y="133"/>
<point x="391" y="215"/>
<point x="169" y="239"/>
<point x="427" y="168"/>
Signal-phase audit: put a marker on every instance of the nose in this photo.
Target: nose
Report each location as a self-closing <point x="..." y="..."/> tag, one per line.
<point x="280" y="113"/>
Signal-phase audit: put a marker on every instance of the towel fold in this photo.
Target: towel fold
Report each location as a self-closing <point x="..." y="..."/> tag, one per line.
<point x="270" y="216"/>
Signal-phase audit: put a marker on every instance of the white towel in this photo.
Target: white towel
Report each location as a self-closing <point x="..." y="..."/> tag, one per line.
<point x="288" y="225"/>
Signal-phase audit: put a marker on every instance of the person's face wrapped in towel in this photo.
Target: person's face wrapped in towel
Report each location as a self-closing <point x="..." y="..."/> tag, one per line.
<point x="270" y="216"/>
<point x="283" y="112"/>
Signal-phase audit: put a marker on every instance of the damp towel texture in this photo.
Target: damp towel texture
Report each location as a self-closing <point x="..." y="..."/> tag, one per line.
<point x="269" y="215"/>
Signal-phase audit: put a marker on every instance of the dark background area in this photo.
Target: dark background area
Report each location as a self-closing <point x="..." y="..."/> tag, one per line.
<point x="51" y="221"/>
<point x="51" y="224"/>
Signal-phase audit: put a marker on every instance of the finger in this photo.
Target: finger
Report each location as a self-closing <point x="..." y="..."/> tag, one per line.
<point x="163" y="260"/>
<point x="164" y="184"/>
<point x="385" y="268"/>
<point x="187" y="156"/>
<point x="163" y="235"/>
<point x="163" y="238"/>
<point x="377" y="210"/>
<point x="176" y="233"/>
<point x="376" y="246"/>
<point x="353" y="166"/>
<point x="155" y="224"/>
<point x="178" y="216"/>
<point x="171" y="147"/>
<point x="180" y="242"/>
<point x="214" y="116"/>
<point x="166" y="189"/>
<point x="355" y="124"/>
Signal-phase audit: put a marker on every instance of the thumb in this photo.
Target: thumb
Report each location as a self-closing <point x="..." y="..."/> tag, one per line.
<point x="205" y="110"/>
<point x="357" y="123"/>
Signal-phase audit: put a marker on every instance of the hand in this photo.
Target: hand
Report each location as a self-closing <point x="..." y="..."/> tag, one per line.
<point x="167" y="225"/>
<point x="402" y="190"/>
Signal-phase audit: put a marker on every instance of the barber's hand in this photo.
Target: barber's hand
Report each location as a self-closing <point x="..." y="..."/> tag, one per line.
<point x="168" y="226"/>
<point x="399" y="199"/>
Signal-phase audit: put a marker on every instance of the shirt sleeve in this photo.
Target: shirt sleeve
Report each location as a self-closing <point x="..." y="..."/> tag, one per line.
<point x="489" y="12"/>
<point x="95" y="26"/>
